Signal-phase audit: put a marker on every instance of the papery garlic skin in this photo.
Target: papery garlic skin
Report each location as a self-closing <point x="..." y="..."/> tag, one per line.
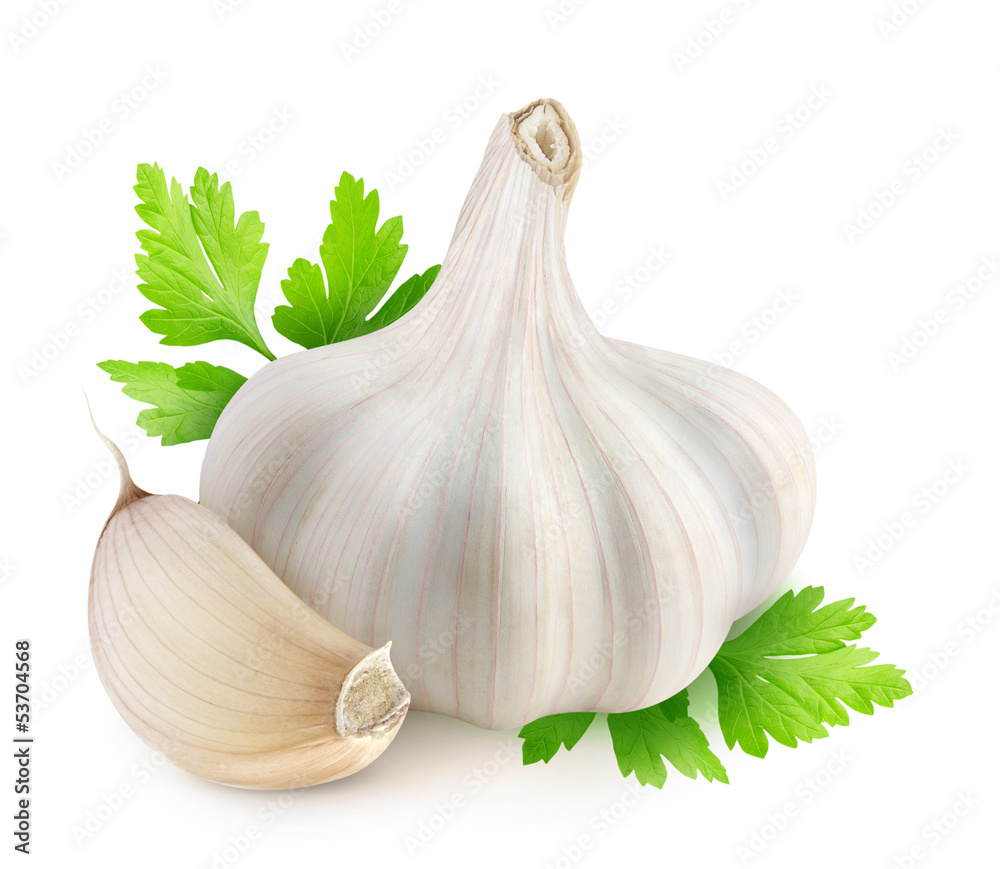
<point x="212" y="661"/>
<point x="543" y="519"/>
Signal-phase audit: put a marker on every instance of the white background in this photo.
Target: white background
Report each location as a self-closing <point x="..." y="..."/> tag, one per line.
<point x="209" y="77"/>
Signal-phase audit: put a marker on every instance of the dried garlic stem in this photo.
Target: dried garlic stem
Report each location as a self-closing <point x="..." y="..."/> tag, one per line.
<point x="546" y="138"/>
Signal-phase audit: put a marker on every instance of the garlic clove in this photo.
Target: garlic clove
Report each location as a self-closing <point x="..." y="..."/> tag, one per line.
<point x="212" y="661"/>
<point x="542" y="518"/>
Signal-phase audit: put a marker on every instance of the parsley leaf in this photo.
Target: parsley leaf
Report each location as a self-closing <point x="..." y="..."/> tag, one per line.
<point x="360" y="260"/>
<point x="543" y="736"/>
<point x="402" y="299"/>
<point x="201" y="265"/>
<point x="642" y="738"/>
<point x="790" y="698"/>
<point x="187" y="400"/>
<point x="786" y="675"/>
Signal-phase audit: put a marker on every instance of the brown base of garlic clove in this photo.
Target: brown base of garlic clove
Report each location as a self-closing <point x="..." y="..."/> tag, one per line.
<point x="372" y="699"/>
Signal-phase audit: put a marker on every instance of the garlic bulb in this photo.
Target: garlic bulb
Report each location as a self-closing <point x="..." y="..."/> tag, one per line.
<point x="543" y="519"/>
<point x="217" y="665"/>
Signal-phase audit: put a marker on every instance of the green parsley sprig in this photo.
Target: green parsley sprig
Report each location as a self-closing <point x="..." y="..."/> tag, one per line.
<point x="788" y="675"/>
<point x="201" y="265"/>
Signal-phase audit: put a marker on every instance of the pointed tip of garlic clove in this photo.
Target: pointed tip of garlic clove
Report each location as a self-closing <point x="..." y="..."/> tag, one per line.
<point x="372" y="698"/>
<point x="547" y="140"/>
<point x="128" y="491"/>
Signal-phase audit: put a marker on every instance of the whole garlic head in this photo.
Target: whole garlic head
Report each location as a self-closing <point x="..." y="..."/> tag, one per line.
<point x="540" y="518"/>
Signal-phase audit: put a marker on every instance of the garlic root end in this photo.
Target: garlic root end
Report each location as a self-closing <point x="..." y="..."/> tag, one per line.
<point x="372" y="698"/>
